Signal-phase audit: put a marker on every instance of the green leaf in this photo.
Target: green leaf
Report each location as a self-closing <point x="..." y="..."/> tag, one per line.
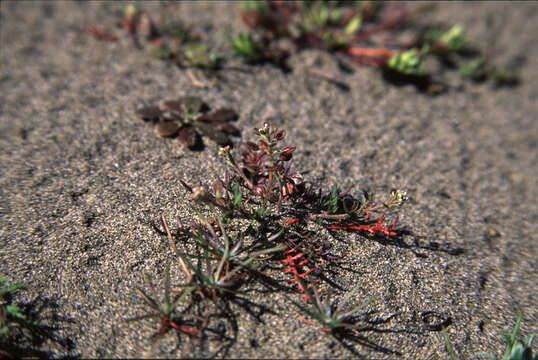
<point x="15" y="312"/>
<point x="198" y="55"/>
<point x="448" y="345"/>
<point x="152" y="303"/>
<point x="408" y="62"/>
<point x="6" y="287"/>
<point x="354" y="25"/>
<point x="247" y="48"/>
<point x="347" y="297"/>
<point x="454" y="38"/>
<point x="238" y="197"/>
<point x="332" y="202"/>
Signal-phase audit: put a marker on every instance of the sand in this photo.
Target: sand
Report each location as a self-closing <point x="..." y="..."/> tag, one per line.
<point x="82" y="180"/>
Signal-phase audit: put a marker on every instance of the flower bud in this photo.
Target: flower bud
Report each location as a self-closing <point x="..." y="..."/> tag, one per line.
<point x="218" y="189"/>
<point x="198" y="192"/>
<point x="280" y="135"/>
<point x="287" y="153"/>
<point x="398" y="198"/>
<point x="288" y="150"/>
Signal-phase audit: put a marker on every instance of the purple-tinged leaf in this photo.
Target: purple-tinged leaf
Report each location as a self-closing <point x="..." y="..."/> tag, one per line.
<point x="188" y="137"/>
<point x="166" y="128"/>
<point x="229" y="129"/>
<point x="222" y="115"/>
<point x="174" y="106"/>
<point x="211" y="132"/>
<point x="149" y="113"/>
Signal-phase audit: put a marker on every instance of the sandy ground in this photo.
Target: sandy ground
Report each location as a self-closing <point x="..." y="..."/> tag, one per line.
<point x="82" y="179"/>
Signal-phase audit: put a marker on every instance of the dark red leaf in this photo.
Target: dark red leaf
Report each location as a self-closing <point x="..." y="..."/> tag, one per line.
<point x="250" y="18"/>
<point x="229" y="129"/>
<point x="149" y="113"/>
<point x="174" y="106"/>
<point x="188" y="137"/>
<point x="222" y="115"/>
<point x="166" y="128"/>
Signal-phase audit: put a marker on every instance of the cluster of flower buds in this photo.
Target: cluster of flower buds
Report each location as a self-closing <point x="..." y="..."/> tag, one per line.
<point x="397" y="198"/>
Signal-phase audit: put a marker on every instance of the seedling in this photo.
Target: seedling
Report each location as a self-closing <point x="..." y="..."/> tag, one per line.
<point x="332" y="316"/>
<point x="477" y="69"/>
<point x="188" y="119"/>
<point x="247" y="48"/>
<point x="516" y="349"/>
<point x="167" y="313"/>
<point x="11" y="315"/>
<point x="409" y="62"/>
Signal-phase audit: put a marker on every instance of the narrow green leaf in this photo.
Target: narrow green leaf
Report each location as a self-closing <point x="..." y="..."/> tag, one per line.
<point x="346" y="298"/>
<point x="354" y="25"/>
<point x="238" y="197"/>
<point x="152" y="303"/>
<point x="448" y="345"/>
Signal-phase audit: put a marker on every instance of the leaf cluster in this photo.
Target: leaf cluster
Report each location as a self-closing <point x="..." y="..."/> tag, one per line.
<point x="188" y="119"/>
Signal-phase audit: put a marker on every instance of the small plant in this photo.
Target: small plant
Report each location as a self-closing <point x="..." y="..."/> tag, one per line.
<point x="451" y="40"/>
<point x="248" y="49"/>
<point x="189" y="118"/>
<point x="477" y="69"/>
<point x="278" y="236"/>
<point x="11" y="315"/>
<point x="516" y="349"/>
<point x="332" y="316"/>
<point x="167" y="313"/>
<point x="172" y="41"/>
<point x="197" y="54"/>
<point x="409" y="62"/>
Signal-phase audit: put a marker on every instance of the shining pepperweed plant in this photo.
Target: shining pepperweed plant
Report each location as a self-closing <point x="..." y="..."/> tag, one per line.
<point x="259" y="223"/>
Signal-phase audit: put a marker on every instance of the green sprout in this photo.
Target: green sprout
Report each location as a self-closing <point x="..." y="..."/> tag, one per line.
<point x="354" y="25"/>
<point x="317" y="16"/>
<point x="473" y="69"/>
<point x="455" y="38"/>
<point x="247" y="48"/>
<point x="409" y="62"/>
<point x="199" y="55"/>
<point x="11" y="315"/>
<point x="167" y="313"/>
<point x="331" y="316"/>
